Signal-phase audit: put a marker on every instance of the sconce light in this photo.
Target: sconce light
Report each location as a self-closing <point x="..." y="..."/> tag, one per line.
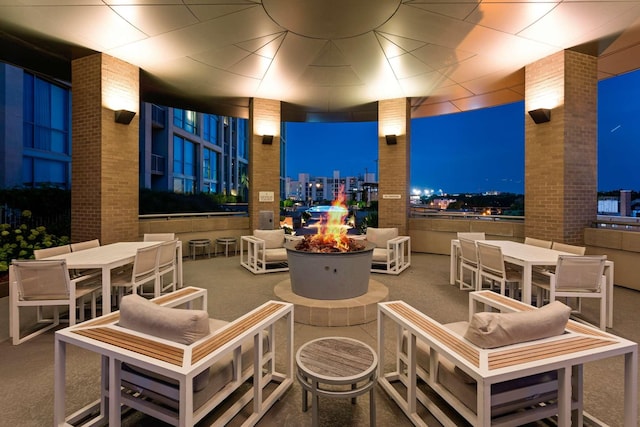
<point x="391" y="139"/>
<point x="541" y="115"/>
<point x="267" y="139"/>
<point x="124" y="116"/>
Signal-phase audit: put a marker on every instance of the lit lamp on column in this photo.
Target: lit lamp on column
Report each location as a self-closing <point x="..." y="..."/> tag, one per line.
<point x="540" y="115"/>
<point x="124" y="117"/>
<point x="391" y="139"/>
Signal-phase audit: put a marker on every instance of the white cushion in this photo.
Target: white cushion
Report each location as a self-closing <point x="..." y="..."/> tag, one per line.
<point x="380" y="236"/>
<point x="275" y="255"/>
<point x="272" y="238"/>
<point x="174" y="324"/>
<point x="491" y="330"/>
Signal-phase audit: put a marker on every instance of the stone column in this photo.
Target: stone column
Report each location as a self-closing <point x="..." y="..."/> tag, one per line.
<point x="561" y="155"/>
<point x="105" y="154"/>
<point x="394" y="118"/>
<point x="264" y="161"/>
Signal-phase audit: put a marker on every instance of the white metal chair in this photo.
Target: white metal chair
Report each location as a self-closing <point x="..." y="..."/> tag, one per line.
<point x="158" y="237"/>
<point x="572" y="249"/>
<point x="52" y="251"/>
<point x="493" y="268"/>
<point x="575" y="276"/>
<point x="144" y="270"/>
<point x="392" y="254"/>
<point x="468" y="262"/>
<point x="472" y="235"/>
<point x="265" y="251"/>
<point x="538" y="242"/>
<point x="167" y="265"/>
<point x="87" y="244"/>
<point x="38" y="283"/>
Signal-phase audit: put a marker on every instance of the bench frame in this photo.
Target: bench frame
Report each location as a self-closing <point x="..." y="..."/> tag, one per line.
<point x="578" y="345"/>
<point x="180" y="362"/>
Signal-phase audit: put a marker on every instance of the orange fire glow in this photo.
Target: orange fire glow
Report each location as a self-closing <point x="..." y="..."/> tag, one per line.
<point x="332" y="230"/>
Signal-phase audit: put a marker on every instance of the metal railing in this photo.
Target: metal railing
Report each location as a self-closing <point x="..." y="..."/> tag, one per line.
<point x="621" y="223"/>
<point x="424" y="213"/>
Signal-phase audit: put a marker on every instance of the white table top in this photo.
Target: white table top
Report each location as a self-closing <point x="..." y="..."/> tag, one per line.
<point x="103" y="255"/>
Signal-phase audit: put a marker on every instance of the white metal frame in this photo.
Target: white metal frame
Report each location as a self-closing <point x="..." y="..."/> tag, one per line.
<point x="578" y="345"/>
<point x="398" y="256"/>
<point x="257" y="256"/>
<point x="189" y="362"/>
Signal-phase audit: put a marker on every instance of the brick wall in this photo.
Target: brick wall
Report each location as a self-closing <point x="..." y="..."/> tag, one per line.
<point x="264" y="159"/>
<point x="560" y="155"/>
<point x="105" y="161"/>
<point x="394" y="117"/>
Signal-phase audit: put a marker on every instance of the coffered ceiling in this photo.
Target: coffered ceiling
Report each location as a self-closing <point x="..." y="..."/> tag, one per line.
<point x="327" y="60"/>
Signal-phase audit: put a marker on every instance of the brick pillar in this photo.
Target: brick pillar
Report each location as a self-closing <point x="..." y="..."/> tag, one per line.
<point x="105" y="160"/>
<point x="264" y="161"/>
<point x="561" y="155"/>
<point x="394" y="118"/>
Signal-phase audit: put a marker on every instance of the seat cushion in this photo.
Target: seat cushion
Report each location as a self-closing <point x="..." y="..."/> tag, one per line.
<point x="491" y="330"/>
<point x="272" y="238"/>
<point x="174" y="324"/>
<point x="380" y="236"/>
<point x="275" y="255"/>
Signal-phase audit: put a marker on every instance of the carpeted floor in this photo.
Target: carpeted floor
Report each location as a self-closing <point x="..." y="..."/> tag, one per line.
<point x="26" y="371"/>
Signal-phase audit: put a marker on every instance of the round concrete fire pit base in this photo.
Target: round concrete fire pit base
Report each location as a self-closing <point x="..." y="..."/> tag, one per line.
<point x="337" y="312"/>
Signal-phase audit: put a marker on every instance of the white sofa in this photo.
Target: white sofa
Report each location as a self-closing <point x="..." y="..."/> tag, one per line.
<point x="392" y="253"/>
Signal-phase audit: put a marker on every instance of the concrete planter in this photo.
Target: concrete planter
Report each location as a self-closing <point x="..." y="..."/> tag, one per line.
<point x="329" y="276"/>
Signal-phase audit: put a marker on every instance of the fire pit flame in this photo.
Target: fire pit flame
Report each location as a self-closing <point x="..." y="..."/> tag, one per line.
<point x="332" y="232"/>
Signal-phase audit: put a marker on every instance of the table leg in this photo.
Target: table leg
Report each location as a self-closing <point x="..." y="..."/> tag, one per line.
<point x="372" y="406"/>
<point x="314" y="403"/>
<point x="631" y="388"/>
<point x="526" y="283"/>
<point x="106" y="290"/>
<point x="453" y="262"/>
<point x="60" y="355"/>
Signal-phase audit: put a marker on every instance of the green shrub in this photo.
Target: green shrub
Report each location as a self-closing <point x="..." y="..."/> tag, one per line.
<point x="21" y="241"/>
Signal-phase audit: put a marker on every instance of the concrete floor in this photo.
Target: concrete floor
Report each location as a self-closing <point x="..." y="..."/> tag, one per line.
<point x="26" y="371"/>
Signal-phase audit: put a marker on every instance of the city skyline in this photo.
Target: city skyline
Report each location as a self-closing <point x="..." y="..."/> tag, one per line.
<point x="457" y="153"/>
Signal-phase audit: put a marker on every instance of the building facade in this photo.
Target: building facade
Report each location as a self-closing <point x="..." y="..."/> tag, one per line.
<point x="180" y="150"/>
<point x="311" y="190"/>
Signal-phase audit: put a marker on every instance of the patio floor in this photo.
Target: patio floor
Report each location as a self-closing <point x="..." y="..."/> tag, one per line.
<point x="26" y="371"/>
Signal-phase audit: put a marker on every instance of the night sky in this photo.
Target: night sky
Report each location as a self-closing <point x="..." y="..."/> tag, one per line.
<point x="475" y="151"/>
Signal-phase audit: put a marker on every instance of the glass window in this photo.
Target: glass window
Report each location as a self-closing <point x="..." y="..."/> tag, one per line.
<point x="210" y="128"/>
<point x="184" y="155"/>
<point x="185" y="119"/>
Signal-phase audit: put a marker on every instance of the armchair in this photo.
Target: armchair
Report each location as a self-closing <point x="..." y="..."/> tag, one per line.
<point x="42" y="284"/>
<point x="178" y="365"/>
<point x="392" y="254"/>
<point x="265" y="251"/>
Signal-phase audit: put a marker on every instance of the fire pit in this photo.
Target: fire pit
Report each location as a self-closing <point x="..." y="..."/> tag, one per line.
<point x="329" y="275"/>
<point x="329" y="265"/>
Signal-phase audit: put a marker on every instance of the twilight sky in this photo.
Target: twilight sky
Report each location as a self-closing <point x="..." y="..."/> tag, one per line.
<point x="475" y="151"/>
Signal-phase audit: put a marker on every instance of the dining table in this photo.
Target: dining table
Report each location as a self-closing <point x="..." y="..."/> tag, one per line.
<point x="109" y="257"/>
<point x="528" y="257"/>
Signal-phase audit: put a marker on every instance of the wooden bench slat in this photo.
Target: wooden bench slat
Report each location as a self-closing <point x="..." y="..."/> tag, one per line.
<point x="163" y="299"/>
<point x="438" y="331"/>
<point x="512" y="357"/>
<point x="141" y="345"/>
<point x="218" y="340"/>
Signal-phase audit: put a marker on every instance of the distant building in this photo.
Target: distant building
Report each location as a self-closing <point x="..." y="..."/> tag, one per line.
<point x="180" y="150"/>
<point x="312" y="190"/>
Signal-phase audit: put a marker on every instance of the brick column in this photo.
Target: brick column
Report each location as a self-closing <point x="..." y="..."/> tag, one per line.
<point x="561" y="155"/>
<point x="105" y="160"/>
<point x="394" y="118"/>
<point x="264" y="161"/>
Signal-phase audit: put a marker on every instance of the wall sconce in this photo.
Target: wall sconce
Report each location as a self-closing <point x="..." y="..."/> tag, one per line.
<point x="391" y="139"/>
<point x="541" y="115"/>
<point x="124" y="116"/>
<point x="267" y="139"/>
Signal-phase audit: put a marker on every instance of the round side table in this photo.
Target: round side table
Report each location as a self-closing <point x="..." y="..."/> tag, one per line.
<point x="194" y="244"/>
<point x="337" y="367"/>
<point x="226" y="242"/>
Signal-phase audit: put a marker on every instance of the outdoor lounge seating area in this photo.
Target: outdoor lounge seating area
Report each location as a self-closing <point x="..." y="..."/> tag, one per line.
<point x="426" y="289"/>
